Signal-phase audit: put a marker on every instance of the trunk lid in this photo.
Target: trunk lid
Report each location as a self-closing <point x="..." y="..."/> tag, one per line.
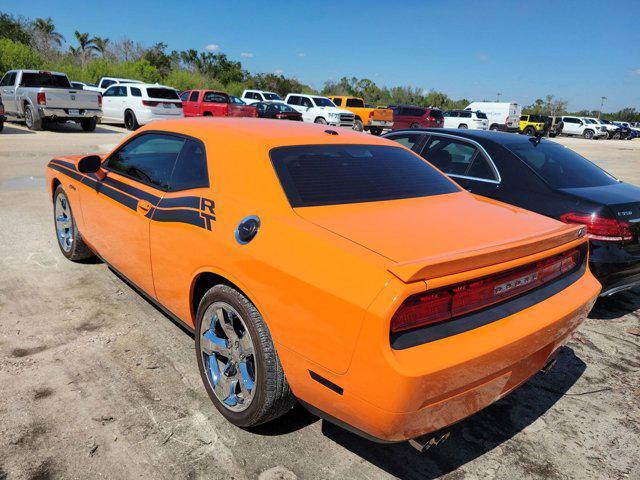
<point x="441" y="235"/>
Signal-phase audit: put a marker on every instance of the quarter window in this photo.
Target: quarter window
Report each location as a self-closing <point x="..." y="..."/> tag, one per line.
<point x="135" y="92"/>
<point x="148" y="158"/>
<point x="454" y="157"/>
<point x="191" y="167"/>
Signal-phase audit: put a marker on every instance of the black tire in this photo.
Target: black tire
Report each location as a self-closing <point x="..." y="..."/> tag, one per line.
<point x="89" y="124"/>
<point x="616" y="136"/>
<point x="358" y="126"/>
<point x="130" y="121"/>
<point x="588" y="134"/>
<point x="273" y="397"/>
<point x="78" y="250"/>
<point x="321" y="121"/>
<point x="463" y="126"/>
<point x="415" y="125"/>
<point x="375" y="131"/>
<point x="31" y="118"/>
<point x="494" y="128"/>
<point x="1" y="126"/>
<point x="529" y="131"/>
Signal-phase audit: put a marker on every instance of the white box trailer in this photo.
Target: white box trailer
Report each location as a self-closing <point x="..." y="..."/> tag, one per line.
<point x="503" y="116"/>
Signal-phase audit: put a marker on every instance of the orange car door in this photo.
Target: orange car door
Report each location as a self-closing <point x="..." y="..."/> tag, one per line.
<point x="182" y="229"/>
<point x="117" y="211"/>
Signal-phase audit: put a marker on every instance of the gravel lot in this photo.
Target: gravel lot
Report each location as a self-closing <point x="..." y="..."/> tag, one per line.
<point x="97" y="383"/>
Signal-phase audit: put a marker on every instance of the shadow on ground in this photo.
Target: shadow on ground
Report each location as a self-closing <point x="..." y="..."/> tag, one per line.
<point x="474" y="436"/>
<point x="616" y="306"/>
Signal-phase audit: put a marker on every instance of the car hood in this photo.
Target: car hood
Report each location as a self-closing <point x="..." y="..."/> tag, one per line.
<point x="432" y="232"/>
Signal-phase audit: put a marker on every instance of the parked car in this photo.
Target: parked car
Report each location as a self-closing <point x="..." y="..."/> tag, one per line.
<point x="633" y="130"/>
<point x="371" y="119"/>
<point x="317" y="109"/>
<point x="2" y="117"/>
<point x="465" y="119"/>
<point x="613" y="131"/>
<point x="254" y="96"/>
<point x="212" y="103"/>
<point x="83" y="85"/>
<point x="502" y="116"/>
<point x="580" y="127"/>
<point x="411" y="116"/>
<point x="550" y="179"/>
<point x="106" y="82"/>
<point x="277" y="110"/>
<point x="37" y="96"/>
<point x="532" y="124"/>
<point x="140" y="103"/>
<point x="324" y="266"/>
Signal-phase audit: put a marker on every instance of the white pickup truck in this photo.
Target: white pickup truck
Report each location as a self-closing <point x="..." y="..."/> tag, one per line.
<point x="317" y="109"/>
<point x="37" y="96"/>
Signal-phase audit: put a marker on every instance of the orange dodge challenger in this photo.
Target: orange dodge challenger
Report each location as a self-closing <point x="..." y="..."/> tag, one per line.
<point x="327" y="266"/>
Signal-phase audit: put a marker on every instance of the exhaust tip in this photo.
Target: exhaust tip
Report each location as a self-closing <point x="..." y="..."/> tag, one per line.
<point x="425" y="442"/>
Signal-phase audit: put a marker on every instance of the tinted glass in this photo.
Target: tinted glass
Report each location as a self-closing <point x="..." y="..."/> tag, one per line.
<point x="272" y="96"/>
<point x="314" y="175"/>
<point x="77" y="85"/>
<point x="465" y="114"/>
<point x="481" y="115"/>
<point x="214" y="97"/>
<point x="561" y="167"/>
<point x="106" y="83"/>
<point x="184" y="96"/>
<point x="355" y="102"/>
<point x="281" y="107"/>
<point x="148" y="158"/>
<point x="323" y="102"/>
<point x="236" y="100"/>
<point x="305" y="102"/>
<point x="409" y="140"/>
<point x="42" y="79"/>
<point x="194" y="96"/>
<point x="6" y="80"/>
<point x="450" y="156"/>
<point x="135" y="92"/>
<point x="191" y="167"/>
<point x="437" y="114"/>
<point x="110" y="92"/>
<point x="337" y="101"/>
<point x="162" y="93"/>
<point x="294" y="100"/>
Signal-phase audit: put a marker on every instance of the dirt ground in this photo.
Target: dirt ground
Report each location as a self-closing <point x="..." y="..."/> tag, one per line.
<point x="97" y="383"/>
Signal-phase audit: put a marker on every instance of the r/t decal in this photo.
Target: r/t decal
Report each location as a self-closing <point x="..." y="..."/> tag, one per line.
<point x="207" y="211"/>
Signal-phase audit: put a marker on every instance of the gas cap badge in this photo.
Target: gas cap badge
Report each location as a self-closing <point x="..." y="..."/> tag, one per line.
<point x="247" y="229"/>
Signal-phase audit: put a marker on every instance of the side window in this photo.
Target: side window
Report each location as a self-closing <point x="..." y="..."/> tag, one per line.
<point x="465" y="114"/>
<point x="135" y="92"/>
<point x="8" y="80"/>
<point x="261" y="107"/>
<point x="148" y="158"/>
<point x="523" y="118"/>
<point x="124" y="92"/>
<point x="294" y="100"/>
<point x="110" y="92"/>
<point x="184" y="96"/>
<point x="194" y="96"/>
<point x="337" y="101"/>
<point x="409" y="140"/>
<point x="191" y="167"/>
<point x="305" y="102"/>
<point x="450" y="156"/>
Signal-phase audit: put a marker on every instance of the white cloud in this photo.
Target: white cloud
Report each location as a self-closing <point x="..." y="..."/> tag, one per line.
<point x="483" y="57"/>
<point x="212" y="47"/>
<point x="636" y="72"/>
<point x="302" y="54"/>
<point x="246" y="55"/>
<point x="278" y="72"/>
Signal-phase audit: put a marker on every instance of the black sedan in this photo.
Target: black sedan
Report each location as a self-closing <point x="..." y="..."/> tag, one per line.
<point x="278" y="110"/>
<point x="547" y="178"/>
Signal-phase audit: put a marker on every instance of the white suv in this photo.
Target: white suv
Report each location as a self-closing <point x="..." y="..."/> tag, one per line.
<point x="318" y="109"/>
<point x="580" y="126"/>
<point x="106" y="82"/>
<point x="465" y="119"/>
<point x="140" y="103"/>
<point x="255" y="96"/>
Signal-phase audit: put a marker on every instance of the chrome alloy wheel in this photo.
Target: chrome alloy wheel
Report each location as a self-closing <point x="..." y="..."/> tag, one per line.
<point x="228" y="356"/>
<point x="64" y="222"/>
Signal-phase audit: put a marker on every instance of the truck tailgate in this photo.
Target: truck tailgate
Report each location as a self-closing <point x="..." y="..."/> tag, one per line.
<point x="70" y="99"/>
<point x="382" y="114"/>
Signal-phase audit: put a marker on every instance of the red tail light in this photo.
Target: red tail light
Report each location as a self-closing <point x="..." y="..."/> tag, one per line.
<point x="371" y="114"/>
<point x="41" y="98"/>
<point x="599" y="228"/>
<point x="438" y="306"/>
<point x="178" y="104"/>
<point x="100" y="100"/>
<point x="149" y="103"/>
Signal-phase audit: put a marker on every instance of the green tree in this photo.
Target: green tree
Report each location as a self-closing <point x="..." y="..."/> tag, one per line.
<point x="14" y="29"/>
<point x="45" y="35"/>
<point x="86" y="47"/>
<point x="101" y="45"/>
<point x="157" y="57"/>
<point x="17" y="55"/>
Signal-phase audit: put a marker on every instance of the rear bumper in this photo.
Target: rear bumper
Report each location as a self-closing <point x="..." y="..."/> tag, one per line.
<point x="395" y="395"/>
<point x="67" y="113"/>
<point x="144" y="116"/>
<point x="615" y="268"/>
<point x="379" y="124"/>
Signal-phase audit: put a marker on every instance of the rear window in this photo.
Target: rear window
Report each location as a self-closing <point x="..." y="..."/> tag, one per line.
<point x="272" y="96"/>
<point x="215" y="97"/>
<point x="561" y="167"/>
<point x="163" y="93"/>
<point x="481" y="115"/>
<point x="42" y="79"/>
<point x="355" y="102"/>
<point x="313" y="175"/>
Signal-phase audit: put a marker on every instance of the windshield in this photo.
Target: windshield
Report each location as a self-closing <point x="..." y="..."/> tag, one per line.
<point x="163" y="93"/>
<point x="272" y="96"/>
<point x="313" y="175"/>
<point x="322" y="102"/>
<point x="44" y="79"/>
<point x="590" y="121"/>
<point x="560" y="166"/>
<point x="607" y="122"/>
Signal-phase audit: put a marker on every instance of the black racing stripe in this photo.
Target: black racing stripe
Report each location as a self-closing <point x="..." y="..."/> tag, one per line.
<point x="182" y="216"/>
<point x="133" y="191"/>
<point x="67" y="172"/>
<point x="70" y="165"/>
<point x="185" y="202"/>
<point x="119" y="197"/>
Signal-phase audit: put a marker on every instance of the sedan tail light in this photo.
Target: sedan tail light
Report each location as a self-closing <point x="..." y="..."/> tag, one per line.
<point x="440" y="305"/>
<point x="41" y="98"/>
<point x="600" y="228"/>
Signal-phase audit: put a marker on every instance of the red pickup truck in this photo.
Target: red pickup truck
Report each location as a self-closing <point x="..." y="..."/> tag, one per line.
<point x="211" y="103"/>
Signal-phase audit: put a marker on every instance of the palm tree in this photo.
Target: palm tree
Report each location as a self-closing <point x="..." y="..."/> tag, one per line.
<point x="45" y="32"/>
<point x="101" y="45"/>
<point x="86" y="46"/>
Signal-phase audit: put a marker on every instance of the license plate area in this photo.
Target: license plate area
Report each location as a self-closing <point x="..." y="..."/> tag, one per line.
<point x="74" y="112"/>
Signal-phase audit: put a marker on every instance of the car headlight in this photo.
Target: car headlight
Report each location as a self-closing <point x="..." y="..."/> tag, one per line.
<point x="334" y="115"/>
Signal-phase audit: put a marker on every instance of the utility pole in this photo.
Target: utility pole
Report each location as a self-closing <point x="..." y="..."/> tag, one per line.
<point x="602" y="99"/>
<point x="498" y="96"/>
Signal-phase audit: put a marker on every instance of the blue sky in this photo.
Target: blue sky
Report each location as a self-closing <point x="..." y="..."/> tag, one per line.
<point x="575" y="50"/>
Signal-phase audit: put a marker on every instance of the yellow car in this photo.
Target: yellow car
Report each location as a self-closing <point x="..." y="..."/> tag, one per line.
<point x="532" y="124"/>
<point x="371" y="119"/>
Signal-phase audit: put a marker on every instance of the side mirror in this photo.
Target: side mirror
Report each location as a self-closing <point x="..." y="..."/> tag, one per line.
<point x="89" y="164"/>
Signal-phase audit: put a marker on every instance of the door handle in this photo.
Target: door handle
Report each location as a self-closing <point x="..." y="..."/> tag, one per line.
<point x="143" y="207"/>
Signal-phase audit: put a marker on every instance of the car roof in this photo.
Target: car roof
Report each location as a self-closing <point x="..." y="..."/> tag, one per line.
<point x="500" y="138"/>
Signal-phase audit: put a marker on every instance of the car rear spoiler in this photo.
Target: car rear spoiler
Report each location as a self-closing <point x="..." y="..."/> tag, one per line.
<point x="463" y="261"/>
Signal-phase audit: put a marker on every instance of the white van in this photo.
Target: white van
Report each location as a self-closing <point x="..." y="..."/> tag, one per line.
<point x="504" y="116"/>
